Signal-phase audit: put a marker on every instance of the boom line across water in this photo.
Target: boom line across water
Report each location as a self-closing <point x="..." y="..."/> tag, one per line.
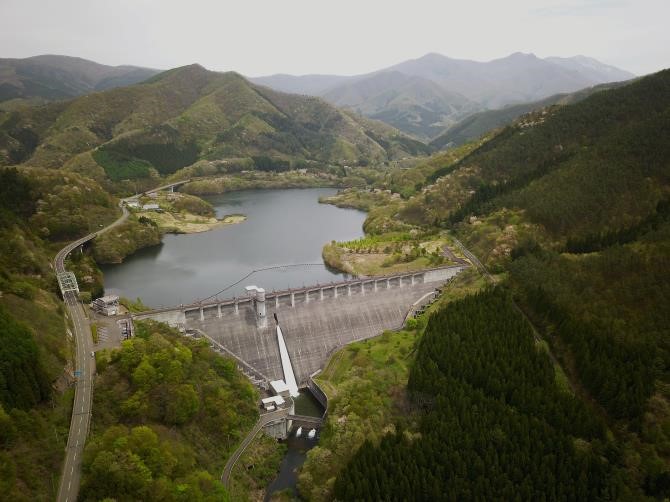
<point x="273" y="267"/>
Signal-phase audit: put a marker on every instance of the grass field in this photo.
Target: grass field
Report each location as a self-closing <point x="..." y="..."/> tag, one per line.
<point x="386" y="254"/>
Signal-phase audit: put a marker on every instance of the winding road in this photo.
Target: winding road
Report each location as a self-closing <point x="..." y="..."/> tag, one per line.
<point x="83" y="363"/>
<point x="264" y="419"/>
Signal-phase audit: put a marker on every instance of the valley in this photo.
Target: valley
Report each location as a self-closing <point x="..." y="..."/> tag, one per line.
<point x="464" y="263"/>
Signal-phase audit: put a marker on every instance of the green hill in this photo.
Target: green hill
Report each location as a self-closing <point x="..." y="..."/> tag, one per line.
<point x="201" y="403"/>
<point x="52" y="77"/>
<point x="39" y="209"/>
<point x="187" y="114"/>
<point x="575" y="210"/>
<point x="597" y="166"/>
<point x="169" y="411"/>
<point x="570" y="210"/>
<point x="478" y="124"/>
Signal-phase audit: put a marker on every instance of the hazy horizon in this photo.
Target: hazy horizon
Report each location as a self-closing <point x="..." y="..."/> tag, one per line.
<point x="343" y="39"/>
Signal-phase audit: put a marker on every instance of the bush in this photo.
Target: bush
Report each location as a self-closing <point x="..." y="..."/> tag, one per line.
<point x="23" y="289"/>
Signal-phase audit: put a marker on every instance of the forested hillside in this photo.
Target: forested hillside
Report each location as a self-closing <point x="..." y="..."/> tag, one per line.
<point x="478" y="124"/>
<point x="496" y="425"/>
<point x="186" y="114"/>
<point x="596" y="166"/>
<point x="51" y="77"/>
<point x="168" y="412"/>
<point x="568" y="207"/>
<point x="38" y="209"/>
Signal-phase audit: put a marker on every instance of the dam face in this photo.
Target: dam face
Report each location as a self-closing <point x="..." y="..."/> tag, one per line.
<point x="315" y="321"/>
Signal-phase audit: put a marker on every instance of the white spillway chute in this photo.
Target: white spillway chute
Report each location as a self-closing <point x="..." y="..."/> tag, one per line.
<point x="298" y="433"/>
<point x="289" y="377"/>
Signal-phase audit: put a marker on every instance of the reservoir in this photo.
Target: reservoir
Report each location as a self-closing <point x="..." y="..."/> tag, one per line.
<point x="283" y="227"/>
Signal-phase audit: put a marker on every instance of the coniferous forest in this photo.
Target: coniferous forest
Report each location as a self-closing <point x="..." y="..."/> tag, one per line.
<point x="496" y="426"/>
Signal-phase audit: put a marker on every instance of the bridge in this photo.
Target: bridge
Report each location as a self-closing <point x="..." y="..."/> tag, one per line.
<point x="306" y="421"/>
<point x="315" y="320"/>
<point x="83" y="395"/>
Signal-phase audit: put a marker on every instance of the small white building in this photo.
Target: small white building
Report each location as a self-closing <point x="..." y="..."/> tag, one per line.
<point x="272" y="403"/>
<point x="133" y="203"/>
<point x="107" y="305"/>
<point x="279" y="388"/>
<point x="151" y="207"/>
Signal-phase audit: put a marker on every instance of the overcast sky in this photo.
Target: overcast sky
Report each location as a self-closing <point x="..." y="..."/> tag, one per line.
<point x="260" y="37"/>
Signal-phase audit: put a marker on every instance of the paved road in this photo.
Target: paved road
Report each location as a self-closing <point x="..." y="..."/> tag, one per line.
<point x="84" y="363"/>
<point x="474" y="260"/>
<point x="264" y="419"/>
<point x="83" y="394"/>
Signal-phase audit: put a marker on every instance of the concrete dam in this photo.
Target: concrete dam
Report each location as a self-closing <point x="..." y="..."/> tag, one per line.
<point x="315" y="320"/>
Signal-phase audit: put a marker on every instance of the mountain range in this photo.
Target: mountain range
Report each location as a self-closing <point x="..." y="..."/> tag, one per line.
<point x="421" y="97"/>
<point x="426" y="96"/>
<point x="476" y="125"/>
<point x="51" y="77"/>
<point x="182" y="115"/>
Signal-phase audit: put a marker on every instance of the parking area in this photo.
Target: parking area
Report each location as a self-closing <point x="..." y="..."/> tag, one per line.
<point x="109" y="331"/>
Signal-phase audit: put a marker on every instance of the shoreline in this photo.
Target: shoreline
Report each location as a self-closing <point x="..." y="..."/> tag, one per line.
<point x="221" y="185"/>
<point x="169" y="223"/>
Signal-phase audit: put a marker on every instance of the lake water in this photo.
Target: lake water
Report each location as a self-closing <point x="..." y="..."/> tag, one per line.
<point x="283" y="227"/>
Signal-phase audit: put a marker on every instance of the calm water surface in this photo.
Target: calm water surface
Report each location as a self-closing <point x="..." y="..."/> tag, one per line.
<point x="282" y="227"/>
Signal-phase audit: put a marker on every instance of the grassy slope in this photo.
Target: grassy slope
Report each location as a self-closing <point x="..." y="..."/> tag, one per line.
<point x="387" y="254"/>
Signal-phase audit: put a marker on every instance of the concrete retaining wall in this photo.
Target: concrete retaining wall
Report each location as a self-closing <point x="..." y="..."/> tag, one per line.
<point x="317" y="392"/>
<point x="175" y="318"/>
<point x="441" y="274"/>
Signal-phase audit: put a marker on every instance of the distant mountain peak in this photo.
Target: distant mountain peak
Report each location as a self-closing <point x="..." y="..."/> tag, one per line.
<point x="522" y="55"/>
<point x="419" y="107"/>
<point x="52" y="76"/>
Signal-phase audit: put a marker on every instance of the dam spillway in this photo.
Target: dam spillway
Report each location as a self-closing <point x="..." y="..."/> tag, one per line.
<point x="287" y="368"/>
<point x="315" y="320"/>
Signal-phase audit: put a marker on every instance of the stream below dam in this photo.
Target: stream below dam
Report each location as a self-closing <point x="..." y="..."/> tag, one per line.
<point x="296" y="454"/>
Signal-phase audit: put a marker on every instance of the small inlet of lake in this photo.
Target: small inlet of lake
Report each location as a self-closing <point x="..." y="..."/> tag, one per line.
<point x="283" y="227"/>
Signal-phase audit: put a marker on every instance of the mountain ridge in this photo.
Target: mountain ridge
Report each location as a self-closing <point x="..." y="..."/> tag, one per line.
<point x="53" y="77"/>
<point x="186" y="114"/>
<point x="517" y="78"/>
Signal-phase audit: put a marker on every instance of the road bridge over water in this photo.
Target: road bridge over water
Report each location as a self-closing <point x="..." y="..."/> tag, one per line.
<point x="315" y="320"/>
